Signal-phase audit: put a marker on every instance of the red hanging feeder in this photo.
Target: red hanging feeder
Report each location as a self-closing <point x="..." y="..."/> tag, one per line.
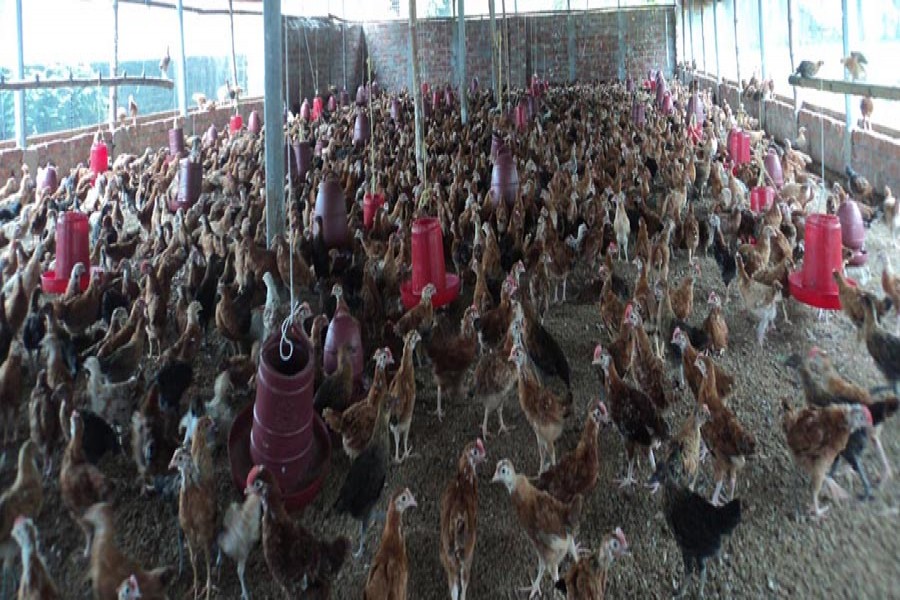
<point x="318" y="108"/>
<point x="99" y="157"/>
<point x="280" y="430"/>
<point x="190" y="181"/>
<point x="428" y="266"/>
<point x="254" y="123"/>
<point x="236" y="123"/>
<point x="72" y="247"/>
<point x="814" y="284"/>
<point x="304" y="110"/>
<point x="504" y="178"/>
<point x="739" y="146"/>
<point x="371" y="204"/>
<point x="761" y="199"/>
<point x="48" y="179"/>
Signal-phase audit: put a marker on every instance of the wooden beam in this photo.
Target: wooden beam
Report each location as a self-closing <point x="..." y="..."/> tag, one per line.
<point x="99" y="81"/>
<point x="853" y="88"/>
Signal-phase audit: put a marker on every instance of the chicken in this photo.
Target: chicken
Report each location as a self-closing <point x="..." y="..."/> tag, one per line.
<point x="691" y="233"/>
<point x="688" y="440"/>
<point x="112" y="401"/>
<point x="809" y="68"/>
<point x="196" y="512"/>
<point x="756" y="257"/>
<point x="43" y="420"/>
<point x="364" y="482"/>
<point x="549" y="524"/>
<point x="543" y="409"/>
<point x="586" y="579"/>
<point x="459" y="520"/>
<point x="11" y="391"/>
<point x="24" y="498"/>
<point x="233" y="314"/>
<point x="152" y="437"/>
<point x="891" y="214"/>
<point x="35" y="583"/>
<point x="336" y="390"/>
<point x="109" y="567"/>
<point x="81" y="311"/>
<point x="493" y="381"/>
<point x="81" y="484"/>
<point x="420" y="317"/>
<point x="577" y="472"/>
<point x="389" y="572"/>
<point x="816" y="436"/>
<point x="451" y="356"/>
<point x="682" y="297"/>
<point x="122" y="362"/>
<point x="633" y="413"/>
<point x="727" y="440"/>
<point x="188" y="344"/>
<point x="301" y="565"/>
<point x="884" y="348"/>
<point x="759" y="299"/>
<point x="866" y="108"/>
<point x="852" y="304"/>
<point x="697" y="525"/>
<point x="723" y="255"/>
<point x="402" y="395"/>
<point x="621" y="225"/>
<point x="129" y="589"/>
<point x="688" y="371"/>
<point x="240" y="535"/>
<point x="858" y="185"/>
<point x="855" y="64"/>
<point x="715" y="326"/>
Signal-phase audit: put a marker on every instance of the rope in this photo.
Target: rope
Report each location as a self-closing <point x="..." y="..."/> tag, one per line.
<point x="285" y="342"/>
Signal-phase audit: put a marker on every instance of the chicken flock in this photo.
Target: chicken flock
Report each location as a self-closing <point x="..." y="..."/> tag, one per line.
<point x="606" y="213"/>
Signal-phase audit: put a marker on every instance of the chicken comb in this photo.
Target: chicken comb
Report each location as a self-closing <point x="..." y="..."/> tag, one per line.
<point x="480" y="445"/>
<point x="620" y="535"/>
<point x="814" y="351"/>
<point x="676" y="333"/>
<point x="253" y="474"/>
<point x="598" y="351"/>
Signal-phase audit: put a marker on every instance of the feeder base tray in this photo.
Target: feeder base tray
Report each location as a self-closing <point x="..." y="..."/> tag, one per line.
<point x="442" y="298"/>
<point x="51" y="285"/>
<point x="817" y="298"/>
<point x="309" y="486"/>
<point x="859" y="258"/>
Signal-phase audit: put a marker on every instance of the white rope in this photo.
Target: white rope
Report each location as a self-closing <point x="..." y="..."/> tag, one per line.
<point x="285" y="342"/>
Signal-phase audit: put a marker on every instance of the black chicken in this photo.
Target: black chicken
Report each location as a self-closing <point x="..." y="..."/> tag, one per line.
<point x="173" y="379"/>
<point x="365" y="480"/>
<point x="723" y="254"/>
<point x="206" y="293"/>
<point x="7" y="334"/>
<point x="883" y="347"/>
<point x="697" y="525"/>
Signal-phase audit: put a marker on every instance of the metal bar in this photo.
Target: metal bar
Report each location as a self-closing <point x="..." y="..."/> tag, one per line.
<point x="668" y="56"/>
<point x="273" y="104"/>
<point x="791" y="35"/>
<point x="848" y="106"/>
<point x="233" y="53"/>
<point x="703" y="38"/>
<point x="181" y="64"/>
<point x="99" y="81"/>
<point x="737" y="46"/>
<point x="344" y="43"/>
<point x="461" y="59"/>
<point x="852" y="88"/>
<point x="716" y="42"/>
<point x="114" y="65"/>
<point x="20" y="73"/>
<point x="191" y="9"/>
<point x="691" y="27"/>
<point x="508" y="54"/>
<point x="493" y="46"/>
<point x="762" y="39"/>
<point x="620" y="39"/>
<point x="683" y="35"/>
<point x="417" y="91"/>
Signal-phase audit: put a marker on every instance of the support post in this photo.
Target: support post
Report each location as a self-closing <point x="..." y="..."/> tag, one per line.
<point x="344" y="41"/>
<point x="683" y="35"/>
<point x="273" y="104"/>
<point x="848" y="106"/>
<point x="620" y="38"/>
<point x="737" y="47"/>
<point x="571" y="47"/>
<point x="20" y="74"/>
<point x="508" y="54"/>
<point x="691" y="27"/>
<point x="181" y="63"/>
<point x="234" y="78"/>
<point x="762" y="39"/>
<point x="494" y="80"/>
<point x="114" y="65"/>
<point x="716" y="42"/>
<point x="461" y="58"/>
<point x="668" y="56"/>
<point x="792" y="33"/>
<point x="417" y="91"/>
<point x="703" y="38"/>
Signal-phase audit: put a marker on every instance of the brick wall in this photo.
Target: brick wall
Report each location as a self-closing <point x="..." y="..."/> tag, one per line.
<point x="317" y="50"/>
<point x="537" y="43"/>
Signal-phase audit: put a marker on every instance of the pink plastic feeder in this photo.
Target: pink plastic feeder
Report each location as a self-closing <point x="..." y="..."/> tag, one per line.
<point x="739" y="146"/>
<point x="661" y="90"/>
<point x="667" y="106"/>
<point x="344" y="331"/>
<point x="318" y="108"/>
<point x="211" y="135"/>
<point x="235" y="124"/>
<point x="814" y="284"/>
<point x="99" y="157"/>
<point x="254" y="123"/>
<point x="695" y="108"/>
<point x="522" y="115"/>
<point x="332" y="209"/>
<point x="190" y="181"/>
<point x="473" y="86"/>
<point x="638" y="113"/>
<point x="304" y="110"/>
<point x="425" y="89"/>
<point x="773" y="168"/>
<point x="853" y="232"/>
<point x="361" y="95"/>
<point x="371" y="204"/>
<point x="48" y="179"/>
<point x="72" y="247"/>
<point x="280" y="430"/>
<point x="448" y="96"/>
<point x="761" y="199"/>
<point x="436" y="99"/>
<point x="504" y="177"/>
<point x="303" y="155"/>
<point x="344" y="97"/>
<point x="176" y="142"/>
<point x="428" y="266"/>
<point x="331" y="105"/>
<point x="361" y="130"/>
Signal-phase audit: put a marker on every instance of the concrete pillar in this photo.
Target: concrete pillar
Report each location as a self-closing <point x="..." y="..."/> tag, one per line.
<point x="273" y="106"/>
<point x="572" y="48"/>
<point x="494" y="80"/>
<point x="114" y="65"/>
<point x="20" y="75"/>
<point x="762" y="39"/>
<point x="461" y="62"/>
<point x="716" y="41"/>
<point x="848" y="105"/>
<point x="417" y="92"/>
<point x="181" y="63"/>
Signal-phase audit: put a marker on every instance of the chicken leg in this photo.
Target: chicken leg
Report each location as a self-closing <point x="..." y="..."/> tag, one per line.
<point x="629" y="479"/>
<point x="440" y="411"/>
<point x="888" y="473"/>
<point x="535" y="589"/>
<point x="686" y="578"/>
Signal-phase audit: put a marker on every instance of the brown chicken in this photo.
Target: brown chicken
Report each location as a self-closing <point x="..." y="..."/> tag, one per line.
<point x="577" y="472"/>
<point x="548" y="523"/>
<point x="25" y="497"/>
<point x="452" y="355"/>
<point x="715" y="326"/>
<point x="459" y="520"/>
<point x="420" y="317"/>
<point x="389" y="572"/>
<point x="81" y="484"/>
<point x="43" y="420"/>
<point x="816" y="436"/>
<point x="336" y="390"/>
<point x="544" y="410"/>
<point x="689" y="372"/>
<point x="402" y="395"/>
<point x="240" y="535"/>
<point x="586" y="579"/>
<point x="682" y="297"/>
<point x="35" y="583"/>
<point x="649" y="369"/>
<point x="302" y="566"/>
<point x="109" y="567"/>
<point x="687" y="442"/>
<point x="727" y="440"/>
<point x="189" y="342"/>
<point x="152" y="437"/>
<point x="852" y="304"/>
<point x="11" y="390"/>
<point x="196" y="513"/>
<point x="756" y="257"/>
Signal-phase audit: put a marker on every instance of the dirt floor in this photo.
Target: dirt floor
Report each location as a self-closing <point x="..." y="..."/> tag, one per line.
<point x="777" y="551"/>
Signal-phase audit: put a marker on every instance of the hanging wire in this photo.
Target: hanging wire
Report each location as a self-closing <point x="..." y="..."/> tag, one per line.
<point x="285" y="345"/>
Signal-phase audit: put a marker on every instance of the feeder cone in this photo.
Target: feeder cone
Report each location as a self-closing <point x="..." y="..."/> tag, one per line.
<point x="428" y="266"/>
<point x="814" y="284"/>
